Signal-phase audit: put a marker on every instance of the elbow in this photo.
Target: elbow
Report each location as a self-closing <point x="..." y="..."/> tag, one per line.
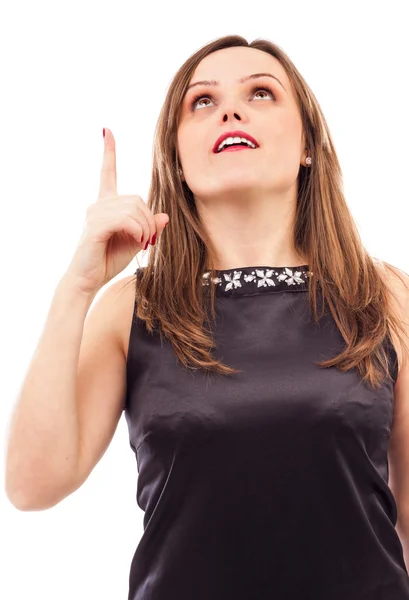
<point x="25" y="503"/>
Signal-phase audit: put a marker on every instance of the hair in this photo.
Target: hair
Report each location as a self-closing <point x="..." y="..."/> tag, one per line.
<point x="169" y="292"/>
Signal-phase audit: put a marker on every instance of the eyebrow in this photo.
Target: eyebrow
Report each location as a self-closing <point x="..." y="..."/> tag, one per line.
<point x="212" y="82"/>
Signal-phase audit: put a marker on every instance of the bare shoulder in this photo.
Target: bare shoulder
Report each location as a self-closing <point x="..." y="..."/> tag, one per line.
<point x="397" y="282"/>
<point x="398" y="449"/>
<point x="121" y="306"/>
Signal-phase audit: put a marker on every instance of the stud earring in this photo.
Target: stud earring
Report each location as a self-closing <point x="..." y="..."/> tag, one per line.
<point x="308" y="160"/>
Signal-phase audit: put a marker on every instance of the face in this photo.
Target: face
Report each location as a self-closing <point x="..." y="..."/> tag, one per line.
<point x="261" y="107"/>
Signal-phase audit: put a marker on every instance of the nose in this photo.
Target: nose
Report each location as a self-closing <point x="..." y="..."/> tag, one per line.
<point x="235" y="115"/>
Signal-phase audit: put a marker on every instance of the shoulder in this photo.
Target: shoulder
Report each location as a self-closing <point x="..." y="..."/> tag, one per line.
<point x="397" y="282"/>
<point x="120" y="303"/>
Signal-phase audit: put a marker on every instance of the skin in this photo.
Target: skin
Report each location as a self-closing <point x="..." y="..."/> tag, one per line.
<point x="246" y="199"/>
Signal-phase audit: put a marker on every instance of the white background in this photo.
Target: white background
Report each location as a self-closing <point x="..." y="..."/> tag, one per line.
<point x="67" y="71"/>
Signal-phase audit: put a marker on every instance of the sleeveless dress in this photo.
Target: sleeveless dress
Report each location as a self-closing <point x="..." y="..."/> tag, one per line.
<point x="271" y="483"/>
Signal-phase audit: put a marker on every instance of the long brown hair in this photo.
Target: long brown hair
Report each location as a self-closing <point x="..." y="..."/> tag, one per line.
<point x="169" y="293"/>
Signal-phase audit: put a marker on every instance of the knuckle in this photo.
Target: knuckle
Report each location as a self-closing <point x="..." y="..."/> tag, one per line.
<point x="131" y="198"/>
<point x="90" y="208"/>
<point x="134" y="207"/>
<point x="133" y="212"/>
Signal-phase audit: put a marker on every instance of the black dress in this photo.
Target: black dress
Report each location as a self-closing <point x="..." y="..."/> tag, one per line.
<point x="271" y="483"/>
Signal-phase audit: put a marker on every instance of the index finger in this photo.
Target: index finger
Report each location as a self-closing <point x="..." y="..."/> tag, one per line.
<point x="107" y="186"/>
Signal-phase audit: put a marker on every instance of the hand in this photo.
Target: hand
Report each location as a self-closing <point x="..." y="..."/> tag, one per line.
<point x="116" y="229"/>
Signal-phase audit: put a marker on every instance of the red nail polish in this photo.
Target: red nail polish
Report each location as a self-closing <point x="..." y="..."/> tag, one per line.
<point x="103" y="132"/>
<point x="153" y="239"/>
<point x="146" y="245"/>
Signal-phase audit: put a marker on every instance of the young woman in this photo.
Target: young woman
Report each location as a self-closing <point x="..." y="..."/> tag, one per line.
<point x="260" y="356"/>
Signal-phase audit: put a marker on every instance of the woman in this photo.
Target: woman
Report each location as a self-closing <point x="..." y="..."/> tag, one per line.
<point x="266" y="358"/>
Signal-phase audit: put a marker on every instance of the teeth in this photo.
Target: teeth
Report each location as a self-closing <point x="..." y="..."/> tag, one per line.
<point x="234" y="140"/>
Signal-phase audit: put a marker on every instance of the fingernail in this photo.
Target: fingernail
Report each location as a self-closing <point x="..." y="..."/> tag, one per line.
<point x="146" y="245"/>
<point x="153" y="239"/>
<point x="103" y="132"/>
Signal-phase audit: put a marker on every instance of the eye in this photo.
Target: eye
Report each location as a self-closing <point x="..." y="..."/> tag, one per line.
<point x="253" y="91"/>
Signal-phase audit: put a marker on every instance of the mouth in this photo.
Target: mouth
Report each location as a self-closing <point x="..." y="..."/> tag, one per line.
<point x="235" y="148"/>
<point x="234" y="140"/>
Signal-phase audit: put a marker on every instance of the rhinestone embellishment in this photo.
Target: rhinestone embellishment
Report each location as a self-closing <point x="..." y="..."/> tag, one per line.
<point x="258" y="278"/>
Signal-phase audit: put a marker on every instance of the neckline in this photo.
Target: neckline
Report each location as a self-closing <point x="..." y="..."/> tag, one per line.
<point x="254" y="280"/>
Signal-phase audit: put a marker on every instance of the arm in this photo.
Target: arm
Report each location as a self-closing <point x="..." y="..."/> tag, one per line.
<point x="398" y="454"/>
<point x="43" y="440"/>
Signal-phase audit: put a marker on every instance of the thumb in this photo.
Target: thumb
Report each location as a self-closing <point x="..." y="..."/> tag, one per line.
<point x="161" y="219"/>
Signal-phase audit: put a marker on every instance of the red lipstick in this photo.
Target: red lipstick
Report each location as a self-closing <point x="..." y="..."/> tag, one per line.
<point x="237" y="133"/>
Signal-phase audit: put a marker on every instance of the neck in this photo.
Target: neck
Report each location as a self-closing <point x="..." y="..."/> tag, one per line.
<point x="251" y="234"/>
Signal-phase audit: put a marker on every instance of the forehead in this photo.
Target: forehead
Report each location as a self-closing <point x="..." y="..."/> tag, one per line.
<point x="229" y="64"/>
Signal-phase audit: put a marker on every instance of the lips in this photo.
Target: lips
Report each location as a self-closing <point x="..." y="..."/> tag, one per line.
<point x="237" y="133"/>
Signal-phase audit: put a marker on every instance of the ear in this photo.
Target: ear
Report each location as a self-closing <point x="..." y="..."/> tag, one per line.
<point x="304" y="156"/>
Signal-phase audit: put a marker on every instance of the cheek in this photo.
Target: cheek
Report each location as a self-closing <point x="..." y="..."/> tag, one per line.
<point x="283" y="127"/>
<point x="185" y="144"/>
<point x="284" y="136"/>
<point x="293" y="127"/>
<point x="192" y="152"/>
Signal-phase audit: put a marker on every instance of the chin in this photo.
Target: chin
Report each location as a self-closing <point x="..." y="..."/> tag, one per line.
<point x="228" y="182"/>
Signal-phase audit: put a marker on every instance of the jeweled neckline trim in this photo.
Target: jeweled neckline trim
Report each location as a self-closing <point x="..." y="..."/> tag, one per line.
<point x="259" y="279"/>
